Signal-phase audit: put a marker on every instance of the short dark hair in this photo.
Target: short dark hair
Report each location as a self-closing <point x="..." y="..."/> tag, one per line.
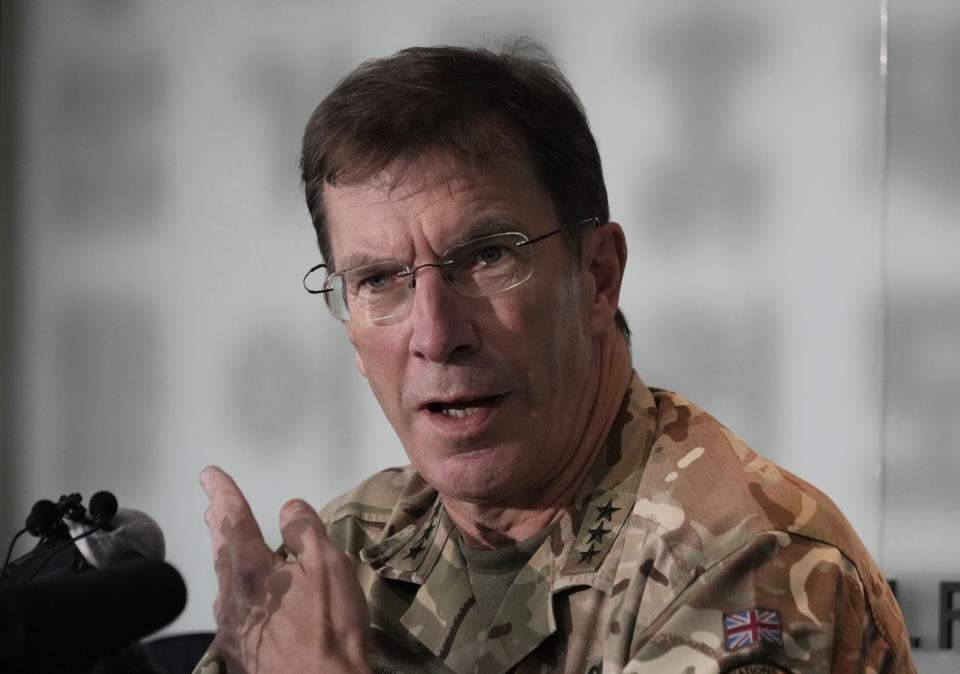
<point x="469" y="102"/>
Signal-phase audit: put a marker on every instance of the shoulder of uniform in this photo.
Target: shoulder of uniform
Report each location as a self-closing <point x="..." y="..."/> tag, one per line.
<point x="717" y="494"/>
<point x="863" y="597"/>
<point x="792" y="582"/>
<point x="720" y="484"/>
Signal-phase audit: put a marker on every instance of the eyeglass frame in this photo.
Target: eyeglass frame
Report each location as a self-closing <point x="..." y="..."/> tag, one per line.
<point x="411" y="272"/>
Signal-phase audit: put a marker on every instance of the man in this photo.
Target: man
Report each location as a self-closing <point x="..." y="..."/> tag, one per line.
<point x="558" y="515"/>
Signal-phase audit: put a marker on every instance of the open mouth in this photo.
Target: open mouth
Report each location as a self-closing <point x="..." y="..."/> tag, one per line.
<point x="460" y="409"/>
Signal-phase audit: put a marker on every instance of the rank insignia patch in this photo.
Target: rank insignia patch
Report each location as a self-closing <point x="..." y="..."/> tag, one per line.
<point x="751" y="627"/>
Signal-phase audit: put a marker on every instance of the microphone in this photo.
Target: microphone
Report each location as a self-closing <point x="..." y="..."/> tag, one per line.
<point x="64" y="526"/>
<point x="62" y="621"/>
<point x="44" y="521"/>
<point x="43" y="518"/>
<point x="128" y="534"/>
<point x="103" y="506"/>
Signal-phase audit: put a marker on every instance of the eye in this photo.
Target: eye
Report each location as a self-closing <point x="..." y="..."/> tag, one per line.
<point x="490" y="254"/>
<point x="487" y="255"/>
<point x="371" y="280"/>
<point x="374" y="281"/>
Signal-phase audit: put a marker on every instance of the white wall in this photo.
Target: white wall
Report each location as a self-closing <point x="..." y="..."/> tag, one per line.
<point x="792" y="260"/>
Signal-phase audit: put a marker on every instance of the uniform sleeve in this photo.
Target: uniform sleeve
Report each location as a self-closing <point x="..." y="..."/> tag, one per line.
<point x="781" y="603"/>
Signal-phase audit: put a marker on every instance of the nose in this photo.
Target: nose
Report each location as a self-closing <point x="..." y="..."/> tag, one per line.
<point x="442" y="327"/>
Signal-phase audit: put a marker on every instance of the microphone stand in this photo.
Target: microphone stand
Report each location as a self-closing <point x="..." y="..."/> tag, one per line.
<point x="6" y="562"/>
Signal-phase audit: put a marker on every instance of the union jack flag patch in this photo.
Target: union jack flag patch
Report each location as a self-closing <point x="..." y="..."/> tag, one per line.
<point x="751" y="627"/>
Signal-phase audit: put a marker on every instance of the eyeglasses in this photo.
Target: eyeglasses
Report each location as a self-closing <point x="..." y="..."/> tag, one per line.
<point x="480" y="267"/>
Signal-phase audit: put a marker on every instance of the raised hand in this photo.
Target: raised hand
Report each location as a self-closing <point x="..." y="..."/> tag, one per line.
<point x="299" y="609"/>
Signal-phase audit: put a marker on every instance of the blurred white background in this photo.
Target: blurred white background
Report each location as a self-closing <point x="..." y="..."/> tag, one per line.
<point x="788" y="205"/>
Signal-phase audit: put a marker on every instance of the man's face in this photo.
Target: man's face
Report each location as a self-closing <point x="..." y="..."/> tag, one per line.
<point x="488" y="395"/>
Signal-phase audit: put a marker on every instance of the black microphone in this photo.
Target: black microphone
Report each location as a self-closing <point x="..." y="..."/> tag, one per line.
<point x="43" y="518"/>
<point x="44" y="521"/>
<point x="63" y="621"/>
<point x="103" y="506"/>
<point x="62" y="526"/>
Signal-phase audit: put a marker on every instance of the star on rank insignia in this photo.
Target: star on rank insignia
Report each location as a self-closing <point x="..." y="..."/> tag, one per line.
<point x="588" y="554"/>
<point x="605" y="512"/>
<point x="751" y="627"/>
<point x="421" y="545"/>
<point x="596" y="534"/>
<point x="415" y="550"/>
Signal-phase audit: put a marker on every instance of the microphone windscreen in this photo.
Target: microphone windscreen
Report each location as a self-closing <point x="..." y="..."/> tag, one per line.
<point x="130" y="534"/>
<point x="69" y="621"/>
<point x="43" y="518"/>
<point x="103" y="506"/>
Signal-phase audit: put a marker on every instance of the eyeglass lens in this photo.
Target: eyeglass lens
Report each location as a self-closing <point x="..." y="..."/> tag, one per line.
<point x="477" y="268"/>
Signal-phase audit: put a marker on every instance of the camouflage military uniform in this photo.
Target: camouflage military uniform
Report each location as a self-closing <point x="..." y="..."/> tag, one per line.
<point x="683" y="552"/>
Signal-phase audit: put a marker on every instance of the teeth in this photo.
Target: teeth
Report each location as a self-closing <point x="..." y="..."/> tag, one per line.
<point x="461" y="413"/>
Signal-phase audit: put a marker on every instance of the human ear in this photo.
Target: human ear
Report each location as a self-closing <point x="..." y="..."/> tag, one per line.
<point x="605" y="262"/>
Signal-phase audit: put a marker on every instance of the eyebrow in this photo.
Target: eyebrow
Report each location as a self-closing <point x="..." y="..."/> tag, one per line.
<point x="485" y="226"/>
<point x="364" y="260"/>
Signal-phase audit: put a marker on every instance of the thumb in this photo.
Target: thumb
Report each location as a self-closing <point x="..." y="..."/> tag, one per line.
<point x="300" y="527"/>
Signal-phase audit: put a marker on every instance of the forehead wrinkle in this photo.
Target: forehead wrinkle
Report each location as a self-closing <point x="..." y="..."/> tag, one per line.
<point x="462" y="204"/>
<point x="487" y="226"/>
<point x="357" y="198"/>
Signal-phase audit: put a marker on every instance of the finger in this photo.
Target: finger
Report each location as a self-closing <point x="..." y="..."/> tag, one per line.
<point x="234" y="529"/>
<point x="213" y="519"/>
<point x="229" y="515"/>
<point x="225" y="495"/>
<point x="224" y="604"/>
<point x="301" y="527"/>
